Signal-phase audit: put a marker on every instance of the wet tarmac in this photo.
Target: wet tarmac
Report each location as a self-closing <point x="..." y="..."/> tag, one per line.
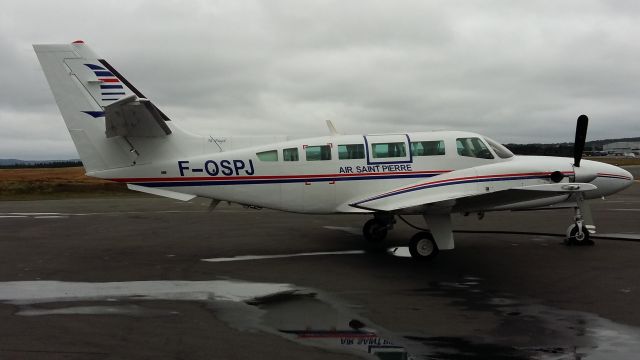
<point x="154" y="278"/>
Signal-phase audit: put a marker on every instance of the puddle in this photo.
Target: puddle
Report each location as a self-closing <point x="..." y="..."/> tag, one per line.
<point x="33" y="292"/>
<point x="297" y="314"/>
<point x="527" y="329"/>
<point x="280" y="256"/>
<point x="126" y="310"/>
<point x="312" y="319"/>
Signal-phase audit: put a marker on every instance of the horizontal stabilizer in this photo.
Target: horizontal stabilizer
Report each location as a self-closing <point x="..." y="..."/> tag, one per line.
<point x="161" y="192"/>
<point x="132" y="116"/>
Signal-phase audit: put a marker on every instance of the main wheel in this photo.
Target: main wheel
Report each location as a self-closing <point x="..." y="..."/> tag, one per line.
<point x="374" y="231"/>
<point x="574" y="238"/>
<point x="422" y="246"/>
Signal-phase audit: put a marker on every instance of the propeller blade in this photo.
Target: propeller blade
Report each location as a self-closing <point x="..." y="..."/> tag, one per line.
<point x="581" y="138"/>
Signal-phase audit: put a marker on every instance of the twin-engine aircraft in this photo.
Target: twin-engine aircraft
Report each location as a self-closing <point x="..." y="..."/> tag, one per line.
<point x="122" y="136"/>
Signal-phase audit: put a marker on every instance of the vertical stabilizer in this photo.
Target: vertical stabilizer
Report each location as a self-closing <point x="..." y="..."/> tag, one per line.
<point x="112" y="124"/>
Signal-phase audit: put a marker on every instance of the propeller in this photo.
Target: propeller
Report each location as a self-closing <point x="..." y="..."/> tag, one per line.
<point x="582" y="175"/>
<point x="581" y="138"/>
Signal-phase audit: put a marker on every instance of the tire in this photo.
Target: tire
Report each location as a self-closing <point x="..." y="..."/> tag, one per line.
<point x="574" y="239"/>
<point x="374" y="231"/>
<point x="422" y="246"/>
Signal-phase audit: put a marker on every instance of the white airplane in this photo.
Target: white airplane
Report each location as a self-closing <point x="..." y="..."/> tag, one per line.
<point x="122" y="136"/>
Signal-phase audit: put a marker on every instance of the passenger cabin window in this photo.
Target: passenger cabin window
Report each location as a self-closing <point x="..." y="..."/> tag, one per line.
<point x="473" y="147"/>
<point x="388" y="150"/>
<point x="427" y="148"/>
<point x="352" y="151"/>
<point x="321" y="152"/>
<point x="290" y="154"/>
<point x="271" y="155"/>
<point x="499" y="149"/>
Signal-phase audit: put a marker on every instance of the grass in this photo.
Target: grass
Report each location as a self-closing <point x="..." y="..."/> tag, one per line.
<point x="56" y="183"/>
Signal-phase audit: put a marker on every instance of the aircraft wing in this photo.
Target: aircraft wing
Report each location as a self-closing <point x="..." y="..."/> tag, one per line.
<point x="466" y="189"/>
<point x="132" y="116"/>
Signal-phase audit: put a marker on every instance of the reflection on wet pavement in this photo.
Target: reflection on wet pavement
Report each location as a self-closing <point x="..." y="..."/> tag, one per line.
<point x="281" y="256"/>
<point x="314" y="320"/>
<point x="297" y="314"/>
<point x="525" y="330"/>
<point x="127" y="310"/>
<point x="33" y="292"/>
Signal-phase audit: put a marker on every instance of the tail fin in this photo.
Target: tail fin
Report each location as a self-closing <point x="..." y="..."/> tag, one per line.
<point x="86" y="88"/>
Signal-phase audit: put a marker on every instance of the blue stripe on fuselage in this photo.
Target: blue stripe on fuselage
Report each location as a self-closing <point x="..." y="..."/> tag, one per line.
<point x="279" y="181"/>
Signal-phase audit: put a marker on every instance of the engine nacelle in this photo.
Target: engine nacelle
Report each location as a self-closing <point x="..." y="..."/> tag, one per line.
<point x="583" y="175"/>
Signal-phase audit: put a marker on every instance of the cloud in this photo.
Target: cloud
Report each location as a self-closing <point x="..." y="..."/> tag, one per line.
<point x="517" y="72"/>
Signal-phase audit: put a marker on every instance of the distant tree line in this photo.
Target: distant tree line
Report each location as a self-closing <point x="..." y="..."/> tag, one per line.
<point x="559" y="149"/>
<point x="47" y="164"/>
<point x="542" y="149"/>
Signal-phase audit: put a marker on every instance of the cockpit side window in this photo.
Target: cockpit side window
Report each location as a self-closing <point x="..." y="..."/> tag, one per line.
<point x="427" y="148"/>
<point x="499" y="149"/>
<point x="473" y="147"/>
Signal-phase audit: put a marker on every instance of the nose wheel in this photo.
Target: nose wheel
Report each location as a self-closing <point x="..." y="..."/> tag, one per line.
<point x="578" y="232"/>
<point x="578" y="235"/>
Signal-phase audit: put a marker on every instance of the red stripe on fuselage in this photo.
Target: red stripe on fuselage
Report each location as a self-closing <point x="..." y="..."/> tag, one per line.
<point x="614" y="176"/>
<point x="109" y="80"/>
<point x="276" y="177"/>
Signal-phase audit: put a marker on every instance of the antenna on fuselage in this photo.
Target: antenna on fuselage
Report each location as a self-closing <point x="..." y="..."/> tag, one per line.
<point x="332" y="129"/>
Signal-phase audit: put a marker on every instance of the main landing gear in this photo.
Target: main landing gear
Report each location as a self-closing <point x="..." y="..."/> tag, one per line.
<point x="578" y="233"/>
<point x="376" y="229"/>
<point x="422" y="245"/>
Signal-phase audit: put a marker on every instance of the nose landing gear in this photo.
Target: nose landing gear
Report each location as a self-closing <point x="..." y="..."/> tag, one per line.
<point x="579" y="233"/>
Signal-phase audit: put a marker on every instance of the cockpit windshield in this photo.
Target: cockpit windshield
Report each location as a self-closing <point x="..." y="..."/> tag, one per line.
<point x="499" y="149"/>
<point x="473" y="147"/>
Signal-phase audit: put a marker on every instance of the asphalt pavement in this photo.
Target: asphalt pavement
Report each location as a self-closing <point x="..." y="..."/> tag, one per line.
<point x="155" y="278"/>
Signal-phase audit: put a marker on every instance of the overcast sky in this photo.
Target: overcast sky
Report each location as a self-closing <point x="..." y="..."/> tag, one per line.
<point x="517" y="71"/>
